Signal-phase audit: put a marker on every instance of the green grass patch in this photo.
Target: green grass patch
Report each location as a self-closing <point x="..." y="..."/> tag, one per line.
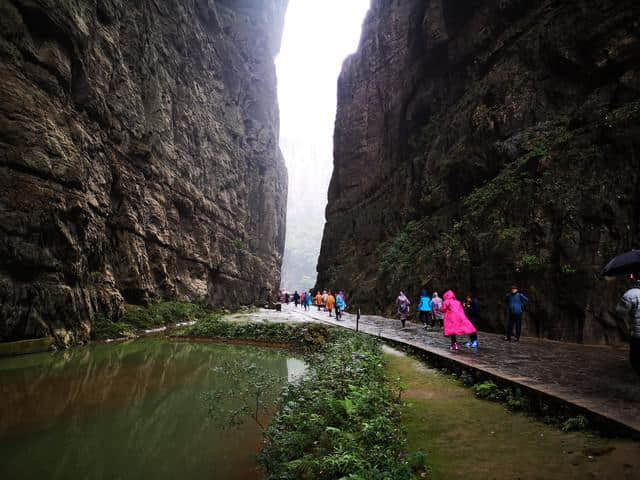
<point x="103" y="329"/>
<point x="307" y="336"/>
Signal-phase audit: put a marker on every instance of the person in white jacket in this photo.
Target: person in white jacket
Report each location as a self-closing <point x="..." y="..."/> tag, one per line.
<point x="629" y="308"/>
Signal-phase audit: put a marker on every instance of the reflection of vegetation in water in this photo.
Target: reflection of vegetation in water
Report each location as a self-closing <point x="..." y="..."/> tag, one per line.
<point x="107" y="411"/>
<point x="254" y="397"/>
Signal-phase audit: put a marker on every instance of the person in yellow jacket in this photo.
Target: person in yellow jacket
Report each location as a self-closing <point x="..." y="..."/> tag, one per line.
<point x="331" y="301"/>
<point x="319" y="300"/>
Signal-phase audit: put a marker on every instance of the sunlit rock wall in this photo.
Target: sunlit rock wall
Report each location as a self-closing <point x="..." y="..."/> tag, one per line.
<point x="481" y="143"/>
<point x="138" y="158"/>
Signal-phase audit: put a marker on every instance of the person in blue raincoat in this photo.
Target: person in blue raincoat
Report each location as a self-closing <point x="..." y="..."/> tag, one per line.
<point x="424" y="307"/>
<point x="340" y="306"/>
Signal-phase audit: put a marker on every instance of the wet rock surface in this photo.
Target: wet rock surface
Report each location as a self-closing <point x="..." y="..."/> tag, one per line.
<point x="138" y="158"/>
<point x="483" y="143"/>
<point x="595" y="377"/>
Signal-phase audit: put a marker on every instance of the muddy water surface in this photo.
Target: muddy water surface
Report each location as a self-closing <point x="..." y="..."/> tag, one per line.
<point x="126" y="411"/>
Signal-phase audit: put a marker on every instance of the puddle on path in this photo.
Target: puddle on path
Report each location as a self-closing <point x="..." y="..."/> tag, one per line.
<point x="466" y="438"/>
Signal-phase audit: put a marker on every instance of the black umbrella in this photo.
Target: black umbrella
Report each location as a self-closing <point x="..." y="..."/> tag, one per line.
<point x="623" y="264"/>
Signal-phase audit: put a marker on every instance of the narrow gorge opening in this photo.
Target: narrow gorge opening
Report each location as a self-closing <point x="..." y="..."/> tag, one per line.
<point x="317" y="37"/>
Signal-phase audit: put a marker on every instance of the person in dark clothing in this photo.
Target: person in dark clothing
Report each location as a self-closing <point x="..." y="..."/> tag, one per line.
<point x="472" y="309"/>
<point x="296" y="298"/>
<point x="286" y="298"/>
<point x="629" y="308"/>
<point x="516" y="303"/>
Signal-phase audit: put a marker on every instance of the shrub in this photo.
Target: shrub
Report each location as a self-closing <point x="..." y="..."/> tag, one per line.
<point x="488" y="391"/>
<point x="575" y="424"/>
<point x="308" y="336"/>
<point x="103" y="329"/>
<point x="340" y="421"/>
<point x="162" y="313"/>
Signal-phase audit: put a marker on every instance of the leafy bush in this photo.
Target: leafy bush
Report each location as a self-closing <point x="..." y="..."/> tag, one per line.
<point x="103" y="329"/>
<point x="340" y="421"/>
<point x="488" y="391"/>
<point x="162" y="313"/>
<point x="516" y="401"/>
<point x="575" y="424"/>
<point x="308" y="336"/>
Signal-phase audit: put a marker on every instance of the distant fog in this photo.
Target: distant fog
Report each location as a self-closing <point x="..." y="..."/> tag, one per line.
<point x="318" y="35"/>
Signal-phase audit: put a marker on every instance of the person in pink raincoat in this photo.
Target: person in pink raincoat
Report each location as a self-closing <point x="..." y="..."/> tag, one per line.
<point x="456" y="322"/>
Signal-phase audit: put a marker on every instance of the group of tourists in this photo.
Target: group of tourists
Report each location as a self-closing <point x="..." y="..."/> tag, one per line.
<point x="329" y="302"/>
<point x="457" y="318"/>
<point x="325" y="300"/>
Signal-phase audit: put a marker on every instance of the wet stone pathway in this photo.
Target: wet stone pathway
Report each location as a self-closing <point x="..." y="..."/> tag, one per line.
<point x="596" y="378"/>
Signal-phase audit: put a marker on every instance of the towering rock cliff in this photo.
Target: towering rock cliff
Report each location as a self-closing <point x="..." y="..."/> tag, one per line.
<point x="481" y="143"/>
<point x="138" y="158"/>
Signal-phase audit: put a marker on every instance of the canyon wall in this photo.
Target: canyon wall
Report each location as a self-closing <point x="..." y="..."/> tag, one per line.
<point x="139" y="158"/>
<point x="489" y="142"/>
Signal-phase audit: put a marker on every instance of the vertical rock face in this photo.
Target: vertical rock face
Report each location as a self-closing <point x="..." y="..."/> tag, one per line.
<point x="481" y="143"/>
<point x="138" y="158"/>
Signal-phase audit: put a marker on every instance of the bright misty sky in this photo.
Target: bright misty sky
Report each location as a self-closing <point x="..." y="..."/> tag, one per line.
<point x="318" y="36"/>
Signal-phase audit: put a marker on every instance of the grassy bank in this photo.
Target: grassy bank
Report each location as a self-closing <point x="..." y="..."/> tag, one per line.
<point x="139" y="318"/>
<point x="342" y="420"/>
<point x="466" y="438"/>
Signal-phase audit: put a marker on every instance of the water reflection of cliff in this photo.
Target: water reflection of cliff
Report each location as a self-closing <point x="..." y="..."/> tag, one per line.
<point x="124" y="411"/>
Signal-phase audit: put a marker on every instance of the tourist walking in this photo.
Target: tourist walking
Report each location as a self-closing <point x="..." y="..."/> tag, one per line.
<point x="325" y="295"/>
<point x="424" y="307"/>
<point x="516" y="303"/>
<point x="456" y="322"/>
<point x="436" y="309"/>
<point x="629" y="308"/>
<point x="472" y="310"/>
<point x="403" y="307"/>
<point x="296" y="298"/>
<point x="330" y="302"/>
<point x="340" y="305"/>
<point x="308" y="299"/>
<point x="319" y="301"/>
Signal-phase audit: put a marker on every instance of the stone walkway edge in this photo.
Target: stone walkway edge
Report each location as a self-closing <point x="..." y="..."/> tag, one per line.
<point x="553" y="372"/>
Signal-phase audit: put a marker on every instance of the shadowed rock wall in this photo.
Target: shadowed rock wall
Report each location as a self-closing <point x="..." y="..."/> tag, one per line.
<point x="138" y="158"/>
<point x="480" y="143"/>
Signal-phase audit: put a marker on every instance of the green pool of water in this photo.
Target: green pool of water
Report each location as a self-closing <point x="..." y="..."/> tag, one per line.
<point x="127" y="411"/>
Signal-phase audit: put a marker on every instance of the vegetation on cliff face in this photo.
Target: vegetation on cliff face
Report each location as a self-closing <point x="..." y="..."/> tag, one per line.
<point x="497" y="151"/>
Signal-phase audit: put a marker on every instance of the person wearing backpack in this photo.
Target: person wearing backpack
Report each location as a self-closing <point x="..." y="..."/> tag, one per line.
<point x="424" y="307"/>
<point x="402" y="305"/>
<point x="436" y="308"/>
<point x="629" y="308"/>
<point x="516" y="303"/>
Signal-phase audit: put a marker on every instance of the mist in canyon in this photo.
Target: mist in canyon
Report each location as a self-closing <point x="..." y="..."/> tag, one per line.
<point x="317" y="38"/>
